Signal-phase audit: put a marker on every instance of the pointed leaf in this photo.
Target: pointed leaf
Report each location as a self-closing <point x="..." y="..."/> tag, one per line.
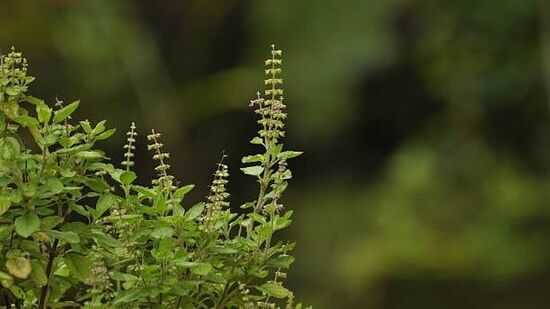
<point x="181" y="192"/>
<point x="256" y="140"/>
<point x="106" y="134"/>
<point x="65" y="112"/>
<point x="44" y="112"/>
<point x="38" y="274"/>
<point x="253" y="170"/>
<point x="79" y="265"/>
<point x="127" y="177"/>
<point x="194" y="212"/>
<point x="162" y="232"/>
<point x="274" y="289"/>
<point x="201" y="269"/>
<point x="68" y="237"/>
<point x="5" y="203"/>
<point x="103" y="204"/>
<point x="26" y="121"/>
<point x="6" y="280"/>
<point x="289" y="154"/>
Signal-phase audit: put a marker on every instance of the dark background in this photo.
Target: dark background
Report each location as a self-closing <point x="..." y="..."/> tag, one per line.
<point x="425" y="125"/>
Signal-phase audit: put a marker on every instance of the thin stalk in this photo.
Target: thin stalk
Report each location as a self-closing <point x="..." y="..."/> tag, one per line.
<point x="53" y="249"/>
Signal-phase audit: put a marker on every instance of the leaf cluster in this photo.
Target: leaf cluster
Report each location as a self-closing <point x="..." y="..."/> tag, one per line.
<point x="78" y="231"/>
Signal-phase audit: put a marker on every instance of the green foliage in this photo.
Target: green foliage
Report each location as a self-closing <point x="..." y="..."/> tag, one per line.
<point x="77" y="231"/>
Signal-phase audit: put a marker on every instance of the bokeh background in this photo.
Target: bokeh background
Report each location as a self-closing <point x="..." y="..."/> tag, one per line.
<point x="425" y="181"/>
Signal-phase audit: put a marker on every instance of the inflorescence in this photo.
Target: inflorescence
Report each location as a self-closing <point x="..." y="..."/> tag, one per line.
<point x="130" y="147"/>
<point x="271" y="110"/>
<point x="164" y="179"/>
<point x="217" y="199"/>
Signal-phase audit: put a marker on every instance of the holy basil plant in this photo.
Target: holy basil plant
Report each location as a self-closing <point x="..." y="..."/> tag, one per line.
<point x="78" y="231"/>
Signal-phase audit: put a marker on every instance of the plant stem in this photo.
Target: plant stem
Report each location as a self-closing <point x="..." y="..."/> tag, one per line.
<point x="6" y="299"/>
<point x="224" y="300"/>
<point x="44" y="292"/>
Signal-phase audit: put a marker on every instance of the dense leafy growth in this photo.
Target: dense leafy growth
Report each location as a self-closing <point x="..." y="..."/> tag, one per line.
<point x="77" y="231"/>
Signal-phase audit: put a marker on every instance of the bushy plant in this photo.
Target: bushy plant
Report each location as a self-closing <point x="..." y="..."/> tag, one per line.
<point x="78" y="231"/>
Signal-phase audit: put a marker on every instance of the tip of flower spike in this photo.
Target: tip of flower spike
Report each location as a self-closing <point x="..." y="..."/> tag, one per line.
<point x="154" y="135"/>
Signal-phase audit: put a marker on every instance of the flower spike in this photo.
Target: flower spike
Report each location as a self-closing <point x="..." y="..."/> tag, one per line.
<point x="130" y="147"/>
<point x="164" y="179"/>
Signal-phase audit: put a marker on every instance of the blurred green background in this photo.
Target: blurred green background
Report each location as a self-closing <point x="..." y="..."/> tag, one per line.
<point x="426" y="177"/>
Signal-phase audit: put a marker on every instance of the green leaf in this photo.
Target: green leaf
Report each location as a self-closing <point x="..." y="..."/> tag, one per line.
<point x="253" y="170"/>
<point x="127" y="177"/>
<point x="85" y="124"/>
<point x="252" y="158"/>
<point x="9" y="148"/>
<point x="264" y="232"/>
<point x="128" y="296"/>
<point x="103" y="204"/>
<point x="194" y="212"/>
<point x="89" y="154"/>
<point x="201" y="269"/>
<point x="181" y="288"/>
<point x="79" y="265"/>
<point x="79" y="209"/>
<point x="26" y="121"/>
<point x="282" y="222"/>
<point x="247" y="205"/>
<point x="38" y="274"/>
<point x="65" y="112"/>
<point x="44" y="112"/>
<point x="287" y="175"/>
<point x="281" y="261"/>
<point x="27" y="224"/>
<point x="99" y="127"/>
<point x="63" y="271"/>
<point x="13" y="253"/>
<point x="184" y="263"/>
<point x="33" y="100"/>
<point x="6" y="280"/>
<point x="51" y="222"/>
<point x="65" y="172"/>
<point x="106" y="134"/>
<point x="5" y="230"/>
<point x="274" y="289"/>
<point x="162" y="232"/>
<point x="276" y="150"/>
<point x="13" y="90"/>
<point x="106" y="240"/>
<point x="145" y="192"/>
<point x="17" y="291"/>
<point x="224" y="250"/>
<point x="256" y="141"/>
<point x="54" y="185"/>
<point x="19" y="267"/>
<point x="5" y="203"/>
<point x="118" y="276"/>
<point x="216" y="278"/>
<point x="68" y="237"/>
<point x="93" y="183"/>
<point x="289" y="154"/>
<point x="76" y="227"/>
<point x="257" y="217"/>
<point x="44" y="211"/>
<point x="181" y="192"/>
